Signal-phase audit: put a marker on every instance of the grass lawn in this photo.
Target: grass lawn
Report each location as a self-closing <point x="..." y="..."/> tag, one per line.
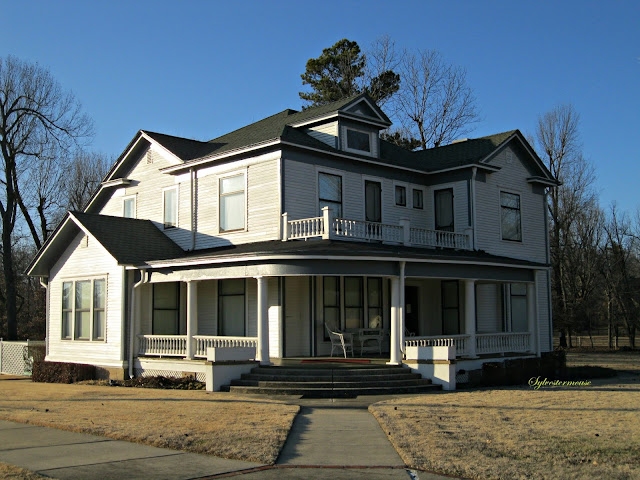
<point x="195" y="421"/>
<point x="9" y="472"/>
<point x="504" y="433"/>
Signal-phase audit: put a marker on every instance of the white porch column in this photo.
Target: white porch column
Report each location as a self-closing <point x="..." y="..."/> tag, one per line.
<point x="470" y="315"/>
<point x="532" y="318"/>
<point x="394" y="328"/>
<point x="192" y="316"/>
<point x="262" y="353"/>
<point x="401" y="313"/>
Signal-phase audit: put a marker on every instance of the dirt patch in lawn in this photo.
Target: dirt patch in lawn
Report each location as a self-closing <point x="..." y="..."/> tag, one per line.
<point x="505" y="433"/>
<point x="219" y="424"/>
<point x="9" y="472"/>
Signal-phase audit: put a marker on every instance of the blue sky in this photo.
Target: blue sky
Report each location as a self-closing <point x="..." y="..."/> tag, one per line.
<point x="200" y="69"/>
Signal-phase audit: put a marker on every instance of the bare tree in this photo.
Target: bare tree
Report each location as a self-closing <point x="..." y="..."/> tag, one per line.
<point x="434" y="102"/>
<point x="35" y="115"/>
<point x="86" y="171"/>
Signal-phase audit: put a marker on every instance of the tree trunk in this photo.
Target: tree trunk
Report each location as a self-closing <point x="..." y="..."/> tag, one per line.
<point x="10" y="285"/>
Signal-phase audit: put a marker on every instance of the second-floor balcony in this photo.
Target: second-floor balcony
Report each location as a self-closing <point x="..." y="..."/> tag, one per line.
<point x="329" y="227"/>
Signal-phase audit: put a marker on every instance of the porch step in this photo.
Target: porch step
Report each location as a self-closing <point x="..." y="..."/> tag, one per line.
<point x="330" y="381"/>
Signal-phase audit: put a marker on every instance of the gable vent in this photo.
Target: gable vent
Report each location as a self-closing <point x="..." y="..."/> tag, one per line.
<point x="149" y="157"/>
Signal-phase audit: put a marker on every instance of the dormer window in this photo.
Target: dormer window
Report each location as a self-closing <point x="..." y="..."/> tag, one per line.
<point x="358" y="141"/>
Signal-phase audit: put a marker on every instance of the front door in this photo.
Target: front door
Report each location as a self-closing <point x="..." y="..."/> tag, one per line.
<point x="373" y="201"/>
<point x="411" y="310"/>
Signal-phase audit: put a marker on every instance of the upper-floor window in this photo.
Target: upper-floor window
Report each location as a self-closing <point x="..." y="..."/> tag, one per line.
<point x="232" y="203"/>
<point x="418" y="198"/>
<point x="170" y="207"/>
<point x="510" y="216"/>
<point x="443" y="200"/>
<point x="84" y="309"/>
<point x="330" y="193"/>
<point x="129" y="207"/>
<point x="401" y="195"/>
<point x="358" y="140"/>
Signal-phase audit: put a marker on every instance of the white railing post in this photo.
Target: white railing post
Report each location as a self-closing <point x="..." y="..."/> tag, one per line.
<point x="406" y="231"/>
<point x="470" y="315"/>
<point x="285" y="227"/>
<point x="327" y="218"/>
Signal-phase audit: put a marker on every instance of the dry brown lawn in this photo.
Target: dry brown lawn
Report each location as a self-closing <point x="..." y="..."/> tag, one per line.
<point x="509" y="433"/>
<point x="9" y="472"/>
<point x="195" y="421"/>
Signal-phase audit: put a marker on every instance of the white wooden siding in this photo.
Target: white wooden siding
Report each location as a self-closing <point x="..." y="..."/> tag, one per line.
<point x="511" y="178"/>
<point x="326" y="133"/>
<point x="79" y="263"/>
<point x="263" y="207"/>
<point x="488" y="308"/>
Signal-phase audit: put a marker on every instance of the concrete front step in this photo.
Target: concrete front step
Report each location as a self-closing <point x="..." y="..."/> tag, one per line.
<point x="332" y="392"/>
<point x="328" y="381"/>
<point x="334" y="385"/>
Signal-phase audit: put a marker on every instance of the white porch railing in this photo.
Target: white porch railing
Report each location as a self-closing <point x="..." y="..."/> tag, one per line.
<point x="163" y="345"/>
<point x="436" y="238"/>
<point x="329" y="227"/>
<point x="203" y="342"/>
<point x="176" y="345"/>
<point x="306" y="228"/>
<point x="503" y="342"/>
<point x="461" y="342"/>
<point x="358" y="229"/>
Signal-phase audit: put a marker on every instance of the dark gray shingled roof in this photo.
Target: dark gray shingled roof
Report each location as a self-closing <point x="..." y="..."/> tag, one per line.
<point x="130" y="241"/>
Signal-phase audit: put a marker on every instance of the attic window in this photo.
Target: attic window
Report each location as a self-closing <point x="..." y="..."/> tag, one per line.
<point x="358" y="140"/>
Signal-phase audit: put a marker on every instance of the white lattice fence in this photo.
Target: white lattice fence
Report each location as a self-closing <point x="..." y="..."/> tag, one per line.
<point x="16" y="358"/>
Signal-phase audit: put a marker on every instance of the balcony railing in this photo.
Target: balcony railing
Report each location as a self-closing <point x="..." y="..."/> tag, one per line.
<point x="328" y="227"/>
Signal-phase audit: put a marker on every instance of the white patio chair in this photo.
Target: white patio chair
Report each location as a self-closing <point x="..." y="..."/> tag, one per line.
<point x="340" y="340"/>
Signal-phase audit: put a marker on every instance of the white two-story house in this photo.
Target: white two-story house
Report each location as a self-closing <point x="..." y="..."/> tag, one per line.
<point x="304" y="219"/>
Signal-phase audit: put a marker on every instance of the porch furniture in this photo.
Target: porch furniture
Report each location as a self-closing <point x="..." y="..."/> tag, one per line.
<point x="340" y="340"/>
<point x="370" y="340"/>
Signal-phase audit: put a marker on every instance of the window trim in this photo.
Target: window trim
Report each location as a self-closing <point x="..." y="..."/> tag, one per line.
<point x="245" y="296"/>
<point x="380" y="180"/>
<point x="500" y="207"/>
<point x="453" y="209"/>
<point x="135" y="206"/>
<point x="335" y="173"/>
<point x="72" y="311"/>
<point x="231" y="174"/>
<point x="355" y="150"/>
<point x="406" y="189"/>
<point x="413" y="203"/>
<point x="177" y="209"/>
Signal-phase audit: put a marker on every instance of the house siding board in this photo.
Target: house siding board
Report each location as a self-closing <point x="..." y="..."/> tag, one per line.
<point x="512" y="177"/>
<point x="80" y="263"/>
<point x="326" y="133"/>
<point x="488" y="308"/>
<point x="263" y="207"/>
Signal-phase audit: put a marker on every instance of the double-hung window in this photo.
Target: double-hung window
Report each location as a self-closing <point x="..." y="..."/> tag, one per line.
<point x="330" y="193"/>
<point x="84" y="309"/>
<point x="401" y="195"/>
<point x="232" y="203"/>
<point x="510" y="216"/>
<point x="443" y="200"/>
<point x="166" y="313"/>
<point x="418" y="198"/>
<point x="129" y="207"/>
<point x="170" y="207"/>
<point x="231" y="307"/>
<point x="518" y="300"/>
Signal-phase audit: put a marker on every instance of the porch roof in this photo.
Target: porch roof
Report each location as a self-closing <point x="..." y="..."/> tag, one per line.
<point x="334" y="249"/>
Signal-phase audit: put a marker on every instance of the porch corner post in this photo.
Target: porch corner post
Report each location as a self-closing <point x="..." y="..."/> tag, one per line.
<point x="532" y="318"/>
<point x="470" y="315"/>
<point x="262" y="352"/>
<point x="394" y="348"/>
<point x="192" y="316"/>
<point x="401" y="312"/>
<point x="327" y="220"/>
